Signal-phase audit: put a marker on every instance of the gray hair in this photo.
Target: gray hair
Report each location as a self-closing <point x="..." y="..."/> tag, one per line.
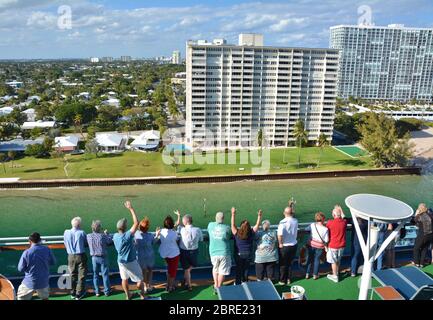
<point x="76" y="222"/>
<point x="121" y="225"/>
<point x="266" y="224"/>
<point x="188" y="218"/>
<point x="219" y="217"/>
<point x="96" y="226"/>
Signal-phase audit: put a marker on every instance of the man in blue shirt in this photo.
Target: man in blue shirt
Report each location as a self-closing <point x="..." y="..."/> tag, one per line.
<point x="98" y="242"/>
<point x="35" y="262"/>
<point x="75" y="243"/>
<point x="129" y="267"/>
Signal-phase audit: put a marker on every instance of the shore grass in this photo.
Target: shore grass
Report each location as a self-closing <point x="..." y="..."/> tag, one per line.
<point x="136" y="164"/>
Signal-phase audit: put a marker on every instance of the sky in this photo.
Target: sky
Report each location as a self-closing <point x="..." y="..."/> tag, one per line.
<point x="45" y="29"/>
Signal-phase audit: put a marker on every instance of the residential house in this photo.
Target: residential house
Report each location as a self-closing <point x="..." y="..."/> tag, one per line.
<point x="147" y="141"/>
<point x="111" y="142"/>
<point x="66" y="144"/>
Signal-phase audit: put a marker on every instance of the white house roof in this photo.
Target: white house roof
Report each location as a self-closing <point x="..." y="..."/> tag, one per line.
<point x="109" y="139"/>
<point x="151" y="137"/>
<point x="6" y="110"/>
<point x="68" y="141"/>
<point x="38" y="124"/>
<point x="30" y="110"/>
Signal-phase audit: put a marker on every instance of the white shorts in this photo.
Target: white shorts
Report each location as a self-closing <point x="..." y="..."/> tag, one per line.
<point x="222" y="265"/>
<point x="25" y="293"/>
<point x="131" y="270"/>
<point x="334" y="255"/>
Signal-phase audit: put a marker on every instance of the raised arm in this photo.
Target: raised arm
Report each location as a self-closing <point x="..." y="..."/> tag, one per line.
<point x="233" y="222"/>
<point x="178" y="223"/>
<point x="134" y="227"/>
<point x="259" y="220"/>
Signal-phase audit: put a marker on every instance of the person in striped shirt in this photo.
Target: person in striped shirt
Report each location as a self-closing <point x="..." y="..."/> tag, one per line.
<point x="98" y="242"/>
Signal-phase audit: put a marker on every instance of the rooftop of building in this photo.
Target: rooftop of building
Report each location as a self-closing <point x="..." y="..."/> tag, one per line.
<point x="393" y="26"/>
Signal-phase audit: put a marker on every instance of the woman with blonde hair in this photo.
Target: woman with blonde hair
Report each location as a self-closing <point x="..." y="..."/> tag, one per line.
<point x="318" y="242"/>
<point x="424" y="238"/>
<point x="144" y="242"/>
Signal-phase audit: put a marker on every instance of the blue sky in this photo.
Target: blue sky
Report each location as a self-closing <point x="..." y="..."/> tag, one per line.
<point x="143" y="28"/>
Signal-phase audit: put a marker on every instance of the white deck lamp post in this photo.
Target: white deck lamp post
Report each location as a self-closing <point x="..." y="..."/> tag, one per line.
<point x="375" y="209"/>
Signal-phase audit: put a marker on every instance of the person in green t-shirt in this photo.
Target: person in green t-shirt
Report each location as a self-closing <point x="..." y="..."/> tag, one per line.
<point x="219" y="249"/>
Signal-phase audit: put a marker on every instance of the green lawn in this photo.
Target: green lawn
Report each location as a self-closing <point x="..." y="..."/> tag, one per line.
<point x="135" y="164"/>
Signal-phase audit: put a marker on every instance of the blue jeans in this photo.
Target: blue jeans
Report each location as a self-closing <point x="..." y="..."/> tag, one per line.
<point x="314" y="255"/>
<point x="100" y="264"/>
<point x="380" y="240"/>
<point x="357" y="258"/>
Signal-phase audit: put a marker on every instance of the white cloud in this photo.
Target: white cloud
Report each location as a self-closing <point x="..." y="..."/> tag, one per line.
<point x="159" y="30"/>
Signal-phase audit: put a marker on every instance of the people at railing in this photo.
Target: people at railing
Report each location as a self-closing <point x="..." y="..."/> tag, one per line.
<point x="190" y="237"/>
<point x="317" y="244"/>
<point x="266" y="255"/>
<point x="144" y="242"/>
<point x="169" y="249"/>
<point x="424" y="238"/>
<point x="219" y="249"/>
<point x="337" y="241"/>
<point x="288" y="243"/>
<point x="98" y="242"/>
<point x="244" y="240"/>
<point x="390" y="249"/>
<point x="136" y="260"/>
<point x="35" y="262"/>
<point x="356" y="255"/>
<point x="75" y="242"/>
<point x="129" y="267"/>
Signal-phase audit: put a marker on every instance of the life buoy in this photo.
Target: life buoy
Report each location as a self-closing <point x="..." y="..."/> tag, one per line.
<point x="7" y="291"/>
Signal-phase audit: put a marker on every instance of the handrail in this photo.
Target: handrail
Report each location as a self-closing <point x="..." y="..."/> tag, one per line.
<point x="53" y="240"/>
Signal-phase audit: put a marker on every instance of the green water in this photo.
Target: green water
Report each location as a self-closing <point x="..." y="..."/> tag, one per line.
<point x="49" y="211"/>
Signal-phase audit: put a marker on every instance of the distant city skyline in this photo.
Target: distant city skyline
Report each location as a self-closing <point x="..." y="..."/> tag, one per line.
<point x="29" y="29"/>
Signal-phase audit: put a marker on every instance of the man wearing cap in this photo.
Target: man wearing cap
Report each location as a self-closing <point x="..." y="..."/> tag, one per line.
<point x="35" y="262"/>
<point x="129" y="267"/>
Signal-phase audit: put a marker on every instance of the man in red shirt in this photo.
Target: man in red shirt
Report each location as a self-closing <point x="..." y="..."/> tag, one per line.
<point x="337" y="241"/>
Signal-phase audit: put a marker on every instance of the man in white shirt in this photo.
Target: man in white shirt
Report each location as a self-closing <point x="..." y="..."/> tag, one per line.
<point x="288" y="243"/>
<point x="190" y="237"/>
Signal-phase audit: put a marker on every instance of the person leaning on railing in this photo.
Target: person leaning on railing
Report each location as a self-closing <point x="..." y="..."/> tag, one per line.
<point x="35" y="262"/>
<point x="317" y="244"/>
<point x="98" y="242"/>
<point x="424" y="237"/>
<point x="169" y="249"/>
<point x="244" y="238"/>
<point x="190" y="237"/>
<point x="75" y="243"/>
<point x="129" y="267"/>
<point x="337" y="241"/>
<point x="288" y="243"/>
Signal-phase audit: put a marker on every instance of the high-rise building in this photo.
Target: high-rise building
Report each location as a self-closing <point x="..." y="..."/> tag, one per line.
<point x="126" y="58"/>
<point x="175" y="58"/>
<point x="94" y="60"/>
<point x="234" y="91"/>
<point x="384" y="63"/>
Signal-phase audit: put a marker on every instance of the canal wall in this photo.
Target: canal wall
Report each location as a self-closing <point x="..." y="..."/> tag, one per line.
<point x="207" y="179"/>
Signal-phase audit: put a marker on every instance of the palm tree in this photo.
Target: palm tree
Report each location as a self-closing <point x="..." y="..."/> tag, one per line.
<point x="322" y="142"/>
<point x="78" y="124"/>
<point x="2" y="160"/>
<point x="301" y="137"/>
<point x="12" y="155"/>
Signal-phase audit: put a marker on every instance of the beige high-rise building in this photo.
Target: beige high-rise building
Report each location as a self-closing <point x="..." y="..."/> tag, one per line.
<point x="233" y="91"/>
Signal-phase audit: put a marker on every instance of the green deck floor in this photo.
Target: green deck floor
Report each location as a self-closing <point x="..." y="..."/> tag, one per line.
<point x="321" y="289"/>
